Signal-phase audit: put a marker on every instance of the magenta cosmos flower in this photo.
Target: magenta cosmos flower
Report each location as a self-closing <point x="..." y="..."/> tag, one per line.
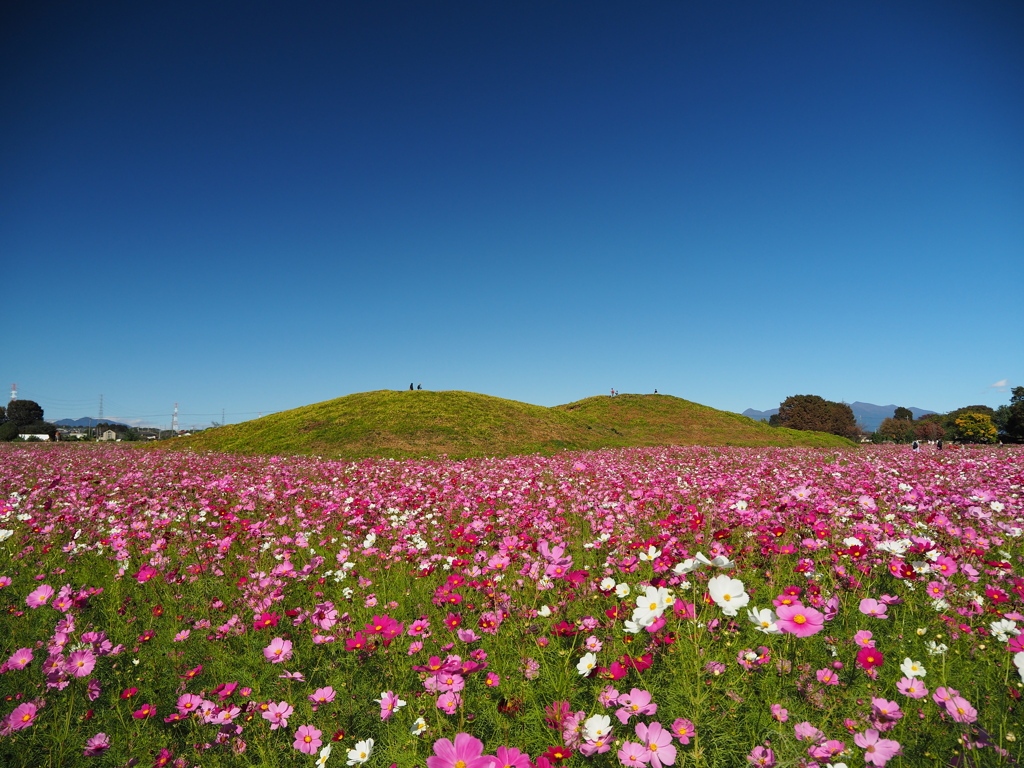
<point x="278" y="651"/>
<point x="466" y="752"/>
<point x="799" y="620"/>
<point x="96" y="745"/>
<point x="22" y="717"/>
<point x="38" y="596"/>
<point x="307" y="739"/>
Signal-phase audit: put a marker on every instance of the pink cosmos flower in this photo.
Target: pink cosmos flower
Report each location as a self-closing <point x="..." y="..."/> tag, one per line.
<point x="684" y="730"/>
<point x="510" y="757"/>
<point x="278" y="714"/>
<point x="863" y="639"/>
<point x="877" y="751"/>
<point x="869" y="658"/>
<point x="960" y="709"/>
<point x="826" y="749"/>
<point x="146" y="710"/>
<point x="322" y="696"/>
<point x="389" y="704"/>
<point x="278" y="651"/>
<point x="912" y="687"/>
<point x="81" y="663"/>
<point x="799" y="620"/>
<point x="38" y="596"/>
<point x="636" y="702"/>
<point x="779" y="713"/>
<point x="466" y="752"/>
<point x="23" y="715"/>
<point x="806" y="732"/>
<point x="827" y="676"/>
<point x="661" y="750"/>
<point x="448" y="702"/>
<point x="307" y="739"/>
<point x="188" y="703"/>
<point x="492" y="680"/>
<point x="96" y="745"/>
<point x="762" y="757"/>
<point x="633" y="755"/>
<point x="19" y="659"/>
<point x="871" y="607"/>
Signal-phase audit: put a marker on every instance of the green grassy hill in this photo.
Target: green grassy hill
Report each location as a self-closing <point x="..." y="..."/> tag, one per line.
<point x="460" y="424"/>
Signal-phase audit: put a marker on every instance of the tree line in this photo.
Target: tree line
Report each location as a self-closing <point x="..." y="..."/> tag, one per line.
<point x="970" y="424"/>
<point x="24" y="417"/>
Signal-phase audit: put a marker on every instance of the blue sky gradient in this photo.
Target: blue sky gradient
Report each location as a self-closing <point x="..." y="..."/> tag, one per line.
<point x="250" y="206"/>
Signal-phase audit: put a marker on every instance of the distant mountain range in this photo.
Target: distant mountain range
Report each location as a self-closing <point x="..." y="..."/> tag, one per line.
<point x="868" y="415"/>
<point x="85" y="422"/>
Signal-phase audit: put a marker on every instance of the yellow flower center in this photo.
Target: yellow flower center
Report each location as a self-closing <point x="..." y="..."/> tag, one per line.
<point x="799" y="619"/>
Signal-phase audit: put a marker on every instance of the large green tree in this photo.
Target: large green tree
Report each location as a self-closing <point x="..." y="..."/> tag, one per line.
<point x="24" y="412"/>
<point x="814" y="413"/>
<point x="903" y="414"/>
<point x="1010" y="418"/>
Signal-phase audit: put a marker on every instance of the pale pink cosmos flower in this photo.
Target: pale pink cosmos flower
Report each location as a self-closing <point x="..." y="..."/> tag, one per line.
<point x="960" y="709"/>
<point x="912" y="687"/>
<point x="279" y="650"/>
<point x="636" y="702"/>
<point x="806" y="732"/>
<point x="661" y="750"/>
<point x="780" y="713"/>
<point x="510" y="757"/>
<point x="188" y="703"/>
<point x="871" y="607"/>
<point x="876" y="751"/>
<point x="96" y="745"/>
<point x="633" y="755"/>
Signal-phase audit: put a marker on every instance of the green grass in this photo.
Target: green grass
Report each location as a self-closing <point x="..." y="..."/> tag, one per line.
<point x="464" y="424"/>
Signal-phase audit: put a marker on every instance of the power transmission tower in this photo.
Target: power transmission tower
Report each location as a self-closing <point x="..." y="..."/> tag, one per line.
<point x="101" y="408"/>
<point x="174" y="419"/>
<point x="14" y="391"/>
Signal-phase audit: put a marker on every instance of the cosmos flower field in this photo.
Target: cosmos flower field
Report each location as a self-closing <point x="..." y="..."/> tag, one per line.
<point x="644" y="607"/>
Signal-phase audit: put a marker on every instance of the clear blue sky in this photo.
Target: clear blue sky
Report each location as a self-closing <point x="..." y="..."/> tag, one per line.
<point x="253" y="206"/>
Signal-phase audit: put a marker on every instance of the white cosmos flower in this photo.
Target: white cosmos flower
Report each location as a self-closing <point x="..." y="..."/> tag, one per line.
<point x="912" y="668"/>
<point x="597" y="727"/>
<point x="544" y="611"/>
<point x="652" y="553"/>
<point x="720" y="561"/>
<point x="764" y="620"/>
<point x="586" y="664"/>
<point x="1018" y="662"/>
<point x="361" y="753"/>
<point x="622" y="589"/>
<point x="419" y="726"/>
<point x="607" y="583"/>
<point x="631" y="627"/>
<point x="687" y="566"/>
<point x="655" y="600"/>
<point x="935" y="649"/>
<point x="1004" y="629"/>
<point x="729" y="594"/>
<point x="324" y="754"/>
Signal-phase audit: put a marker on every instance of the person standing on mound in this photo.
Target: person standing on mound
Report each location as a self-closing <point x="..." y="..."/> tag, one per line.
<point x="410" y="386"/>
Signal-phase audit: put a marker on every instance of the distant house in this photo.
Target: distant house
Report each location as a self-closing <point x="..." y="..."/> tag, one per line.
<point x="34" y="436"/>
<point x="108" y="435"/>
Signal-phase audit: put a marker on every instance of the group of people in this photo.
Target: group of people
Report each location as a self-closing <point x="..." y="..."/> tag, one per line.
<point x="418" y="386"/>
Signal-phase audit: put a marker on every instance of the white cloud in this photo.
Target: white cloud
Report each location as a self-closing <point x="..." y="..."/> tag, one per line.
<point x="999" y="386"/>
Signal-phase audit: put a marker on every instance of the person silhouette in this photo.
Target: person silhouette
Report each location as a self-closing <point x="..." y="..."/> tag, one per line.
<point x="419" y="386"/>
<point x="410" y="386"/>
